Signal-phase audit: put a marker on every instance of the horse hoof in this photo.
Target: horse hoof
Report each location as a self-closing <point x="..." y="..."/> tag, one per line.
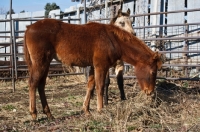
<point x="86" y="113"/>
<point x="34" y="117"/>
<point x="33" y="122"/>
<point x="123" y="98"/>
<point x="50" y="117"/>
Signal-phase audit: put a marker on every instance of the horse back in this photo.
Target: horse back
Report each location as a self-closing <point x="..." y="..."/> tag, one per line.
<point x="75" y="45"/>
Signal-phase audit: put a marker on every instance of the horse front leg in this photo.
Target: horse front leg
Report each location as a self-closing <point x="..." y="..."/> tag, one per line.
<point x="89" y="92"/>
<point x="100" y="75"/>
<point x="107" y="83"/>
<point x="120" y="81"/>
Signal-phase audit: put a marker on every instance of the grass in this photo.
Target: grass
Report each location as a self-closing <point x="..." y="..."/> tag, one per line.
<point x="8" y="107"/>
<point x="175" y="106"/>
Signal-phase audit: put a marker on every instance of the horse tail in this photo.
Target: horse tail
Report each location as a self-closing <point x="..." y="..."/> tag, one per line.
<point x="26" y="52"/>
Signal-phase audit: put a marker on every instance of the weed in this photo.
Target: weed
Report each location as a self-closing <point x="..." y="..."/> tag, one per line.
<point x="131" y="128"/>
<point x="95" y="126"/>
<point x="8" y="107"/>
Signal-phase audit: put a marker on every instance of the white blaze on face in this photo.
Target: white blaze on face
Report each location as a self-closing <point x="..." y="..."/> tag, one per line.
<point x="124" y="22"/>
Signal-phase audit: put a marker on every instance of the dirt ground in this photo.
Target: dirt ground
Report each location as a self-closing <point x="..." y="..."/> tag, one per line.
<point x="174" y="107"/>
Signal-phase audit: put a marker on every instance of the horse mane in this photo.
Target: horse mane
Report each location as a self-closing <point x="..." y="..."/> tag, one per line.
<point x="124" y="36"/>
<point x="128" y="37"/>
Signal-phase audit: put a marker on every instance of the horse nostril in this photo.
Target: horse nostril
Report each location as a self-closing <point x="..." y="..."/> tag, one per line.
<point x="152" y="94"/>
<point x="134" y="34"/>
<point x="148" y="92"/>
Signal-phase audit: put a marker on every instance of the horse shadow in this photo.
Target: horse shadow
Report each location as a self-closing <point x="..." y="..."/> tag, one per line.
<point x="170" y="92"/>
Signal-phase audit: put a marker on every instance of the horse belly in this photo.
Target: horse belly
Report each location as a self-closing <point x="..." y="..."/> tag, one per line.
<point x="73" y="60"/>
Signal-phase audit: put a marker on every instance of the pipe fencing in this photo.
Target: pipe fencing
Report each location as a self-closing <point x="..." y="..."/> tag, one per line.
<point x="178" y="43"/>
<point x="12" y="62"/>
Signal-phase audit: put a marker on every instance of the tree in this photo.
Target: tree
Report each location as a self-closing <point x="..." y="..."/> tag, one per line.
<point x="12" y="12"/>
<point x="48" y="7"/>
<point x="22" y="11"/>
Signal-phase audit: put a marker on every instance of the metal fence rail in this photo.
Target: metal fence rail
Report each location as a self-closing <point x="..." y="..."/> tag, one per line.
<point x="179" y="44"/>
<point x="8" y="65"/>
<point x="13" y="63"/>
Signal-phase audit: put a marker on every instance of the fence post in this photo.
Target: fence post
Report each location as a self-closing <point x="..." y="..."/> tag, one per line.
<point x="14" y="49"/>
<point x="185" y="55"/>
<point x="11" y="47"/>
<point x="69" y="19"/>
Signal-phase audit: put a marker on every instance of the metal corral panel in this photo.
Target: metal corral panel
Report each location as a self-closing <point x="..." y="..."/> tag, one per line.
<point x="2" y="27"/>
<point x="141" y="8"/>
<point x="82" y="18"/>
<point x="175" y="18"/>
<point x="72" y="17"/>
<point x="95" y="14"/>
<point x="156" y="6"/>
<point x="194" y="30"/>
<point x="129" y="5"/>
<point x="7" y="29"/>
<point x="5" y="50"/>
<point x="21" y="25"/>
<point x="193" y="17"/>
<point x="20" y="50"/>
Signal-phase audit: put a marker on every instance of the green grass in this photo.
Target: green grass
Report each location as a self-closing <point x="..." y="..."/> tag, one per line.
<point x="9" y="107"/>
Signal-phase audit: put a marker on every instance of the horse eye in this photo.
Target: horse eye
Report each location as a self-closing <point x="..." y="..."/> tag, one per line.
<point x="122" y="23"/>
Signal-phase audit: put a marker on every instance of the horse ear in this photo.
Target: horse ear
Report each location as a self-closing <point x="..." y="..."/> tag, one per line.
<point x="119" y="12"/>
<point x="129" y="11"/>
<point x="159" y="64"/>
<point x="157" y="57"/>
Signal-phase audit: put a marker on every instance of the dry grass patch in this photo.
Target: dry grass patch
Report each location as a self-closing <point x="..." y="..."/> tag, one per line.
<point x="172" y="108"/>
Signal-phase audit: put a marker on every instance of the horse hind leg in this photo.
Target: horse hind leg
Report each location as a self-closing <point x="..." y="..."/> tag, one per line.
<point x="37" y="79"/>
<point x="42" y="95"/>
<point x="107" y="83"/>
<point x="33" y="82"/>
<point x="120" y="81"/>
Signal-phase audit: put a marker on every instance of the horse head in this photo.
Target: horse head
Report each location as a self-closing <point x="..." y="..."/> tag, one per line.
<point x="123" y="21"/>
<point x="146" y="73"/>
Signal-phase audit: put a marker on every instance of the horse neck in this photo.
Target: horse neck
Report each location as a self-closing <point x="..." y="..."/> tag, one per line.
<point x="135" y="51"/>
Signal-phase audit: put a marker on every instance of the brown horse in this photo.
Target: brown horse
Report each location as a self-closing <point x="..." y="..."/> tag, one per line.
<point x="93" y="44"/>
<point x="122" y="20"/>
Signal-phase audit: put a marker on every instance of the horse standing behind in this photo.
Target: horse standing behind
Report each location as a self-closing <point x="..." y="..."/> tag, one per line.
<point x="122" y="20"/>
<point x="93" y="44"/>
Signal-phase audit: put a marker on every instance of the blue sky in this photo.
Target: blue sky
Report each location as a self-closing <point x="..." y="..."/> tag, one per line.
<point x="34" y="5"/>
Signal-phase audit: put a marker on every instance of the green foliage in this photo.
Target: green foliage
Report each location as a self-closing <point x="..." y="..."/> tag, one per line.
<point x="22" y="11"/>
<point x="48" y="7"/>
<point x="185" y="85"/>
<point x="8" y="107"/>
<point x="12" y="12"/>
<point x="95" y="126"/>
<point x="131" y="128"/>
